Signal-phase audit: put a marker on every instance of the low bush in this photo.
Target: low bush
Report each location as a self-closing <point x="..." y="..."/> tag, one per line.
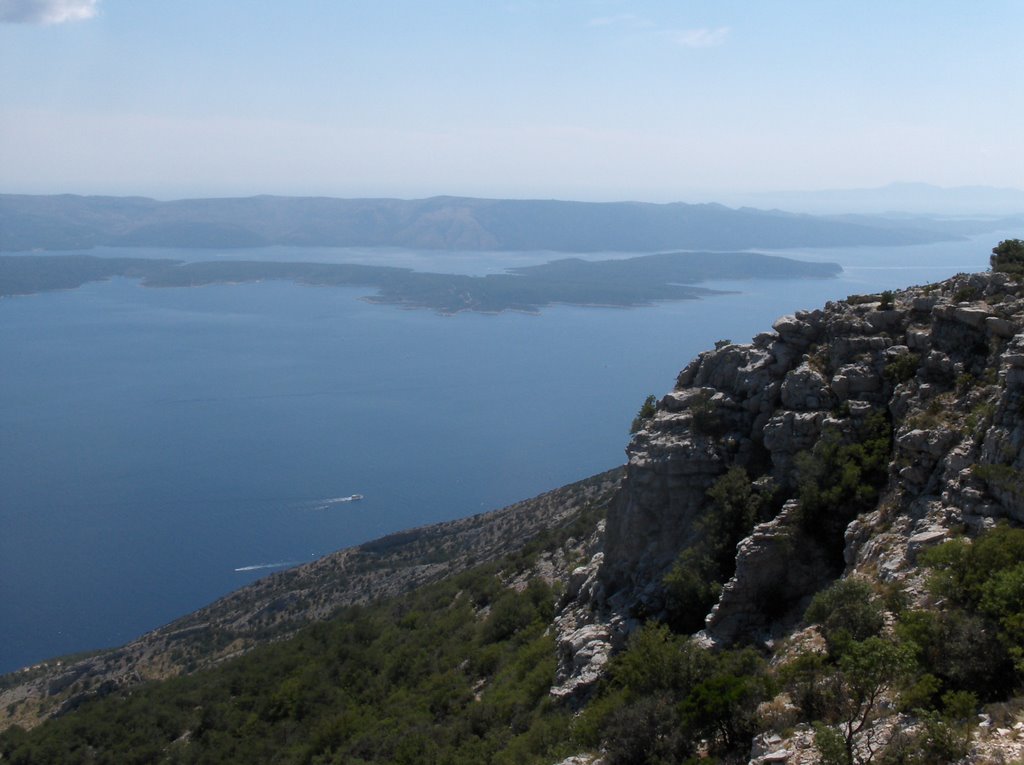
<point x="1008" y="257"/>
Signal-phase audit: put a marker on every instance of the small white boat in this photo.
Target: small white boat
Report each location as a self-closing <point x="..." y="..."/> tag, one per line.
<point x="339" y="500"/>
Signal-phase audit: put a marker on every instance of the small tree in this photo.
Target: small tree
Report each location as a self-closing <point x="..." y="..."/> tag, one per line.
<point x="1008" y="257"/>
<point x="848" y="610"/>
<point x="867" y="671"/>
<point x="647" y="411"/>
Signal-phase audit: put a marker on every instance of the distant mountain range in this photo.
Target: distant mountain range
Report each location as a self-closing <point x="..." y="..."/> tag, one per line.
<point x="69" y="222"/>
<point x="895" y="198"/>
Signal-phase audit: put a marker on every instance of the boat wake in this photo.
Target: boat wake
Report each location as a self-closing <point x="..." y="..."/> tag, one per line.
<point x="326" y="504"/>
<point x="261" y="566"/>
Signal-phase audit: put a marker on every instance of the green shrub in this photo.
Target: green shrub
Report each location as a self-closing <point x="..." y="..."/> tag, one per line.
<point x="691" y="588"/>
<point x="837" y="480"/>
<point x="977" y="643"/>
<point x="966" y="294"/>
<point x="902" y="368"/>
<point x="657" y="660"/>
<point x="666" y="698"/>
<point x="831" y="745"/>
<point x="848" y="610"/>
<point x="1001" y="478"/>
<point x="722" y="710"/>
<point x="647" y="411"/>
<point x="961" y="569"/>
<point x="867" y="670"/>
<point x="962" y="650"/>
<point x="939" y="739"/>
<point x="1008" y="257"/>
<point x="695" y="580"/>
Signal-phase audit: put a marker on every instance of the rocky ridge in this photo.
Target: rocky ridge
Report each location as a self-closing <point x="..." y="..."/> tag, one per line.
<point x="940" y="366"/>
<point x="945" y="364"/>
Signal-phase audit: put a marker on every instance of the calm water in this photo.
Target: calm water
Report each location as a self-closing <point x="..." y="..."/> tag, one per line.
<point x="153" y="442"/>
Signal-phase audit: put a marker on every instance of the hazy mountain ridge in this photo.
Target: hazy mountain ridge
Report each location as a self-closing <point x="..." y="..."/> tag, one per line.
<point x="896" y="199"/>
<point x="66" y="222"/>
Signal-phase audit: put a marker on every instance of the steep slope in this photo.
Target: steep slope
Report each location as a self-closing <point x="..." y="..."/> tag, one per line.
<point x="939" y="368"/>
<point x="847" y="445"/>
<point x="277" y="606"/>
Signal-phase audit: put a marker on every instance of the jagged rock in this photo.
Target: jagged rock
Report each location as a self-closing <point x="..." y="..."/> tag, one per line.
<point x="972" y="316"/>
<point x="580" y="759"/>
<point x="938" y="366"/>
<point x="770" y="580"/>
<point x="918" y="339"/>
<point x="1000" y="327"/>
<point x="805" y="388"/>
<point x="769" y="401"/>
<point x="788" y="433"/>
<point x="583" y="579"/>
<point x="886" y="321"/>
<point x="961" y="406"/>
<point x="927" y="443"/>
<point x="853" y="380"/>
<point x="584" y="649"/>
<point x="784" y="355"/>
<point x="925" y="539"/>
<point x="799" y="331"/>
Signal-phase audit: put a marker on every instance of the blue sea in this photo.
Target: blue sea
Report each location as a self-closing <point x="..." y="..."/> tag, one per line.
<point x="162" y="447"/>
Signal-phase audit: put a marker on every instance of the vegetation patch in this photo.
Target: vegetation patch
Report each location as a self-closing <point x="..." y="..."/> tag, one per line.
<point x="695" y="580"/>
<point x="647" y="411"/>
<point x="839" y="480"/>
<point x="902" y="368"/>
<point x="1008" y="257"/>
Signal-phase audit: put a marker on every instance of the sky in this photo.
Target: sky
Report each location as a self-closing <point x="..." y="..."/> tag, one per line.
<point x="596" y="100"/>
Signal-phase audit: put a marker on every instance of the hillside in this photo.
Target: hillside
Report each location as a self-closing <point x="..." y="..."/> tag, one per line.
<point x="68" y="222"/>
<point x="814" y="555"/>
<point x="278" y="605"/>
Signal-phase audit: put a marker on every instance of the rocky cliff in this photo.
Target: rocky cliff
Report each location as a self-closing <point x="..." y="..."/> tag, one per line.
<point x="869" y="430"/>
<point x="943" y="365"/>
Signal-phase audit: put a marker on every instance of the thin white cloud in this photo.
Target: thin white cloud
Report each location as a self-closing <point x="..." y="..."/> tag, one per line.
<point x="46" y="11"/>
<point x="698" y="38"/>
<point x="621" y="20"/>
<point x="702" y="37"/>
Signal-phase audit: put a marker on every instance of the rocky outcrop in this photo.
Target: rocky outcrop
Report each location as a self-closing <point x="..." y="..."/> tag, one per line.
<point x="944" y="365"/>
<point x="774" y="562"/>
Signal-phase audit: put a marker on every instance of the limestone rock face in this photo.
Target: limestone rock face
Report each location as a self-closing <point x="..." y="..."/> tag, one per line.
<point x="806" y="388"/>
<point x="943" y="364"/>
<point x="772" y="564"/>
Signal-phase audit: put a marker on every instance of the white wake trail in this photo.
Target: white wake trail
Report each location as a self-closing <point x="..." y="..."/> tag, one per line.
<point x="261" y="566"/>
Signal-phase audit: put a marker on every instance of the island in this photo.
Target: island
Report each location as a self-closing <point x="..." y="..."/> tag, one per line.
<point x="625" y="282"/>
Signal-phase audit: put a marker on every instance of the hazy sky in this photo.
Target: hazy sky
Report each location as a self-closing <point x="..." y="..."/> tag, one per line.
<point x="592" y="99"/>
